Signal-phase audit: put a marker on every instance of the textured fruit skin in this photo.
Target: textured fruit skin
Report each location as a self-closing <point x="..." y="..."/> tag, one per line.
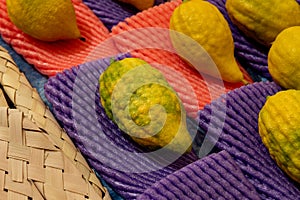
<point x="279" y="128"/>
<point x="283" y="58"/>
<point x="49" y="20"/>
<point x="205" y="24"/>
<point x="122" y="77"/>
<point x="263" y="20"/>
<point x="141" y="5"/>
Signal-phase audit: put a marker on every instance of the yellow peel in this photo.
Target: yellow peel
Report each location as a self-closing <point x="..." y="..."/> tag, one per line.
<point x="49" y="20"/>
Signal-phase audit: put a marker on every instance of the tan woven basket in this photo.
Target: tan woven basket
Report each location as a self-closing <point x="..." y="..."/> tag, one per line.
<point x="3" y="102"/>
<point x="38" y="160"/>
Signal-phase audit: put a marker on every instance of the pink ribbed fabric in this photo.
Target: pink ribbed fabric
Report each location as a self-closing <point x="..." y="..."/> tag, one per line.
<point x="159" y="17"/>
<point x="50" y="58"/>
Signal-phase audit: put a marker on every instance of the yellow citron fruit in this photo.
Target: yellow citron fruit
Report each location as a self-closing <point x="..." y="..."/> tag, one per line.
<point x="203" y="23"/>
<point x="139" y="4"/>
<point x="284" y="57"/>
<point x="279" y="128"/>
<point x="49" y="20"/>
<point x="138" y="98"/>
<point x="263" y="20"/>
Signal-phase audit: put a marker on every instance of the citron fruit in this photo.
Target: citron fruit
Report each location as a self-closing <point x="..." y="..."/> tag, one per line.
<point x="203" y="23"/>
<point x="263" y="20"/>
<point x="140" y="101"/>
<point x="141" y="5"/>
<point x="49" y="20"/>
<point x="279" y="128"/>
<point x="283" y="58"/>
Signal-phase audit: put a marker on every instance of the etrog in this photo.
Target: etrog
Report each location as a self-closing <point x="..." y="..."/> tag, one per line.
<point x="137" y="97"/>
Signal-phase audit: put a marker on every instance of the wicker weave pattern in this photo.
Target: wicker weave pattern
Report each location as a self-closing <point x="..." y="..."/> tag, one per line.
<point x="31" y="166"/>
<point x="3" y="102"/>
<point x="27" y="100"/>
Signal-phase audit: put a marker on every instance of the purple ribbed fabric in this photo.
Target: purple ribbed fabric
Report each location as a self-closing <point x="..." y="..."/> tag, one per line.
<point x="216" y="176"/>
<point x="75" y="99"/>
<point x="238" y="135"/>
<point x="112" y="12"/>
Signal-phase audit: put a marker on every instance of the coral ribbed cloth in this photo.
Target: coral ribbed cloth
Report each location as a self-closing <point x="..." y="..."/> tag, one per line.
<point x="144" y="36"/>
<point x="50" y="58"/>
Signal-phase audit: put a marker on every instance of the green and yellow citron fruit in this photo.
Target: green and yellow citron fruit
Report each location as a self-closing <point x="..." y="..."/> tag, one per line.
<point x="201" y="22"/>
<point x="140" y="101"/>
<point x="263" y="20"/>
<point x="279" y="128"/>
<point x="49" y="20"/>
<point x="283" y="58"/>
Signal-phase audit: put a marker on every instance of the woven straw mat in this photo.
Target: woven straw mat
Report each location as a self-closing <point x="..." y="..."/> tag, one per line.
<point x="2" y="99"/>
<point x="37" y="158"/>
